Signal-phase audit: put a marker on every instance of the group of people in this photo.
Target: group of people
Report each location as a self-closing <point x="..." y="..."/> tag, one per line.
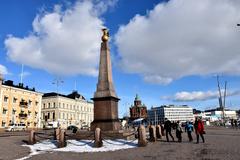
<point x="197" y="126"/>
<point x="234" y="123"/>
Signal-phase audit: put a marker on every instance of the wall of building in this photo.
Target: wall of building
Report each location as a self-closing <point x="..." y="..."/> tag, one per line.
<point x="173" y="113"/>
<point x="11" y="110"/>
<point x="67" y="111"/>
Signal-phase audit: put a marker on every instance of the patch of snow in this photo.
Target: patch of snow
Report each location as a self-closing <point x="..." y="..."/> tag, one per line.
<point x="79" y="146"/>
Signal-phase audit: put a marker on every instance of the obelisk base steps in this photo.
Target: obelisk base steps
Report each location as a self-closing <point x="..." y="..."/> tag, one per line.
<point x="106" y="125"/>
<point x="106" y="114"/>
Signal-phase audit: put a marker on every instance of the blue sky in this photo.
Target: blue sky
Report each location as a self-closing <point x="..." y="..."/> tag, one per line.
<point x="169" y="52"/>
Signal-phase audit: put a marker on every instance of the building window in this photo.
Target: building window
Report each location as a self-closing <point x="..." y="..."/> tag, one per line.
<point x="53" y="115"/>
<point x="36" y="103"/>
<point x="44" y="105"/>
<point x="49" y="105"/>
<point x="48" y="115"/>
<point x="4" y="111"/>
<point x="14" y="100"/>
<point x="5" y="98"/>
<point x="29" y="102"/>
<point x="54" y="105"/>
<point x="59" y="105"/>
<point x="13" y="111"/>
<point x="3" y="124"/>
<point x="63" y="105"/>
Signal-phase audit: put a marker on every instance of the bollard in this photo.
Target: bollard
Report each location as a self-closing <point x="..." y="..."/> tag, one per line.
<point x="57" y="134"/>
<point x="152" y="133"/>
<point x="98" y="138"/>
<point x="159" y="132"/>
<point x="62" y="140"/>
<point x="142" y="140"/>
<point x="32" y="139"/>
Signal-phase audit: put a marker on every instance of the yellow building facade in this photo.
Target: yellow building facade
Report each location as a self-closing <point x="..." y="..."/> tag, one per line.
<point x="19" y="104"/>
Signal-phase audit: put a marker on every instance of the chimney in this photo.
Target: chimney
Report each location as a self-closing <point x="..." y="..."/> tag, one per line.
<point x="1" y="78"/>
<point x="20" y="85"/>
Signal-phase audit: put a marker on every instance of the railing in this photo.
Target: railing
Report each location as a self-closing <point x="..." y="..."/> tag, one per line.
<point x="23" y="104"/>
<point x="23" y="115"/>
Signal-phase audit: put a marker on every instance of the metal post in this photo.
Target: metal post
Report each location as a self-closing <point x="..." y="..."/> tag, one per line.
<point x="155" y="116"/>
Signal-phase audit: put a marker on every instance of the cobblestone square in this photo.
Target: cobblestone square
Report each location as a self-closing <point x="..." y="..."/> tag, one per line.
<point x="221" y="144"/>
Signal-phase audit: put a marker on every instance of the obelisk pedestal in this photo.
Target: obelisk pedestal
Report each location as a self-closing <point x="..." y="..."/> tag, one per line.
<point x="105" y="99"/>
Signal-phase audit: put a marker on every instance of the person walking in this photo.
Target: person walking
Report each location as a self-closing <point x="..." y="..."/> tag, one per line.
<point x="168" y="128"/>
<point x="189" y="129"/>
<point x="199" y="129"/>
<point x="232" y="123"/>
<point x="179" y="131"/>
<point x="235" y="124"/>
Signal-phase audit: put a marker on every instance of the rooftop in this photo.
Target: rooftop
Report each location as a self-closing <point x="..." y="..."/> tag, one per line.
<point x="73" y="95"/>
<point x="20" y="85"/>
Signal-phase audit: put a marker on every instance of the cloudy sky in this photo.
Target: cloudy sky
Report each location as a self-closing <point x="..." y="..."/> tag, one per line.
<point x="169" y="52"/>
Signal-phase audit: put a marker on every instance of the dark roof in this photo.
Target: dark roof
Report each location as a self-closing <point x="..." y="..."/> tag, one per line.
<point x="73" y="95"/>
<point x="216" y="109"/>
<point x="20" y="85"/>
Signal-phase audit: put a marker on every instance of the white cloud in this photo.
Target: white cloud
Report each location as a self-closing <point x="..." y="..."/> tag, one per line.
<point x="198" y="95"/>
<point x="156" y="79"/>
<point x="182" y="38"/>
<point x="3" y="70"/>
<point x="63" y="42"/>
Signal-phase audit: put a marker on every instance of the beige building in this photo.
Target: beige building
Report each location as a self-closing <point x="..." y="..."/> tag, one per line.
<point x="66" y="110"/>
<point x="19" y="104"/>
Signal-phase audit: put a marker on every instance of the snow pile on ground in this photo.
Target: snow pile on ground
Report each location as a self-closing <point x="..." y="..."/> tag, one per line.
<point x="79" y="146"/>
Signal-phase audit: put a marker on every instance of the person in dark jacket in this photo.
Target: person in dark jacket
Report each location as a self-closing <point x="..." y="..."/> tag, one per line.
<point x="199" y="129"/>
<point x="189" y="129"/>
<point x="168" y="128"/>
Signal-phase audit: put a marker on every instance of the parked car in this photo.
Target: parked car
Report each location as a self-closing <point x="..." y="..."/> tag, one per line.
<point x="73" y="128"/>
<point x="50" y="125"/>
<point x="16" y="127"/>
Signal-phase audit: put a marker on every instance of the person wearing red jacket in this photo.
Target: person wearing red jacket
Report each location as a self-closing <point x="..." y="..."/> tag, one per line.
<point x="199" y="129"/>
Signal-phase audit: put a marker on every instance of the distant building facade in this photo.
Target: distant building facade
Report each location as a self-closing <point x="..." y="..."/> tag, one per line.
<point x="138" y="110"/>
<point x="217" y="114"/>
<point x="19" y="104"/>
<point x="182" y="113"/>
<point x="66" y="110"/>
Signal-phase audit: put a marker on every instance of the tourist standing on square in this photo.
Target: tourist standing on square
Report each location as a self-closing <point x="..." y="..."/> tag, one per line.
<point x="199" y="129"/>
<point x="179" y="131"/>
<point x="235" y="124"/>
<point x="168" y="128"/>
<point x="189" y="129"/>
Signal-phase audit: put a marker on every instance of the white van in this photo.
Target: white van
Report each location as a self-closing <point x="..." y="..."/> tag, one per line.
<point x="52" y="125"/>
<point x="16" y="127"/>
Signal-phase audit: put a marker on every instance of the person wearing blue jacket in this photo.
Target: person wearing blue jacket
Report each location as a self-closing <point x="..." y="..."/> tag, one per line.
<point x="189" y="129"/>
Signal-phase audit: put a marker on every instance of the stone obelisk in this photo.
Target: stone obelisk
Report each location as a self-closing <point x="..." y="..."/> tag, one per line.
<point x="105" y="98"/>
